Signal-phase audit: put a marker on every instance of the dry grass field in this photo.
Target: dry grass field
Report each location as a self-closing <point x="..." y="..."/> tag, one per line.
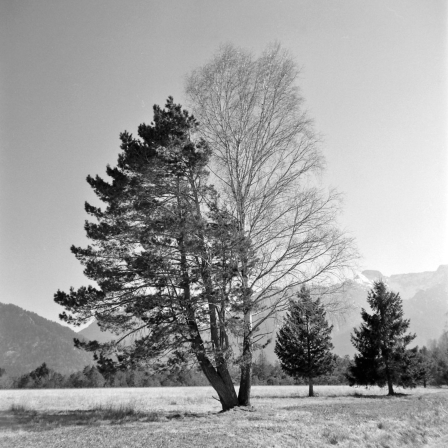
<point x="282" y="416"/>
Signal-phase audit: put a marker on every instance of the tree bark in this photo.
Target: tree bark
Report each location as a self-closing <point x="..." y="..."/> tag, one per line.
<point x="390" y="387"/>
<point x="310" y="387"/>
<point x="227" y="395"/>
<point x="247" y="355"/>
<point x="218" y="332"/>
<point x="389" y="380"/>
<point x="219" y="377"/>
<point x="221" y="364"/>
<point x="246" y="373"/>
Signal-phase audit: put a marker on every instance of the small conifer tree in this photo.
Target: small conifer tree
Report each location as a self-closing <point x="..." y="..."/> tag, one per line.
<point x="381" y="342"/>
<point x="304" y="343"/>
<point x="426" y="365"/>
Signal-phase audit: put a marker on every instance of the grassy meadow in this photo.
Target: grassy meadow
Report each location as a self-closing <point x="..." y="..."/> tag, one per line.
<point x="281" y="416"/>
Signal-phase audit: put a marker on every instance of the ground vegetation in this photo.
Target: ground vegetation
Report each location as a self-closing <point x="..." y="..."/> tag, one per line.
<point x="177" y="417"/>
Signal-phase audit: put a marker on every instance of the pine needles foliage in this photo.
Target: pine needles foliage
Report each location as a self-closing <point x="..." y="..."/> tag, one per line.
<point x="382" y="340"/>
<point x="163" y="256"/>
<point x="303" y="343"/>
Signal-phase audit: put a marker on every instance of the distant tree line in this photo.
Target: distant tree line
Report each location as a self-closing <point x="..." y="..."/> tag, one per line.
<point x="435" y="358"/>
<point x="303" y="347"/>
<point x="92" y="377"/>
<point x="264" y="373"/>
<point x="433" y="362"/>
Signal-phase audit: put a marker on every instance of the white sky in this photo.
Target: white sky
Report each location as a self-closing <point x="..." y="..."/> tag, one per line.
<point x="74" y="74"/>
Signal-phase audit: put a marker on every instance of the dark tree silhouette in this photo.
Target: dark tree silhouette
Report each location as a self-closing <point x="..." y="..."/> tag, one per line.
<point x="304" y="342"/>
<point x="163" y="256"/>
<point x="381" y="342"/>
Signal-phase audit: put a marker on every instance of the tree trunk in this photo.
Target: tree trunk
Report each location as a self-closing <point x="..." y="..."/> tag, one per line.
<point x="391" y="389"/>
<point x="310" y="387"/>
<point x="219" y="345"/>
<point x="219" y="338"/>
<point x="389" y="379"/>
<point x="389" y="382"/>
<point x="246" y="373"/>
<point x="218" y="378"/>
<point x="246" y="366"/>
<point x="226" y="393"/>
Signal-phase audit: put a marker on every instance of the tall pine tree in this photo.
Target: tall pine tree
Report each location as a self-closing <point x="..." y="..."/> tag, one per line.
<point x="163" y="256"/>
<point x="304" y="343"/>
<point x="381" y="342"/>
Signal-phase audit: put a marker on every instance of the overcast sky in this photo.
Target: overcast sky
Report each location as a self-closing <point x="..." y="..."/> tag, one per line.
<point x="74" y="74"/>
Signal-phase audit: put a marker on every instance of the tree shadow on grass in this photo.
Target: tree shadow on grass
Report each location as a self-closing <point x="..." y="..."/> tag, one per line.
<point x="280" y="396"/>
<point x="32" y="420"/>
<point x="324" y="403"/>
<point x="184" y="415"/>
<point x="379" y="397"/>
<point x="29" y="420"/>
<point x="316" y="395"/>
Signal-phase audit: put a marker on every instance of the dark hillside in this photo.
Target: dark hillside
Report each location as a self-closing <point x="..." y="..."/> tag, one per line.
<point x="27" y="340"/>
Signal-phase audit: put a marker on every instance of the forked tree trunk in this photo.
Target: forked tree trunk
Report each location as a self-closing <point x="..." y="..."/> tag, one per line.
<point x="221" y="365"/>
<point x="226" y="392"/>
<point x="218" y="377"/>
<point x="219" y="359"/>
<point x="310" y="387"/>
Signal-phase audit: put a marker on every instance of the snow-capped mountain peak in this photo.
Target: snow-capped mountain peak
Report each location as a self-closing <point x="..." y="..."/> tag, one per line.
<point x="362" y="280"/>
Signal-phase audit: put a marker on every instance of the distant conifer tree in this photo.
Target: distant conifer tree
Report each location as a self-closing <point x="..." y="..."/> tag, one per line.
<point x="304" y="343"/>
<point x="381" y="342"/>
<point x="426" y="364"/>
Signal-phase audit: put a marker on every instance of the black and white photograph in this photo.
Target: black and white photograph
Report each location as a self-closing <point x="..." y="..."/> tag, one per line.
<point x="224" y="223"/>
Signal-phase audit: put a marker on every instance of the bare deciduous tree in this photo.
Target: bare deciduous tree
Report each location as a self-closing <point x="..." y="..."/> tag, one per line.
<point x="266" y="155"/>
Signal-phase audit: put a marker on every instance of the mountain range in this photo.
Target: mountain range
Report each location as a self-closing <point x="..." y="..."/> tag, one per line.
<point x="425" y="304"/>
<point x="27" y="339"/>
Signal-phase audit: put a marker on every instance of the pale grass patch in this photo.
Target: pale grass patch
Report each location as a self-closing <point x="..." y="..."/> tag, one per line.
<point x="179" y="417"/>
<point x="335" y="434"/>
<point x="182" y="399"/>
<point x="122" y="411"/>
<point x="141" y="399"/>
